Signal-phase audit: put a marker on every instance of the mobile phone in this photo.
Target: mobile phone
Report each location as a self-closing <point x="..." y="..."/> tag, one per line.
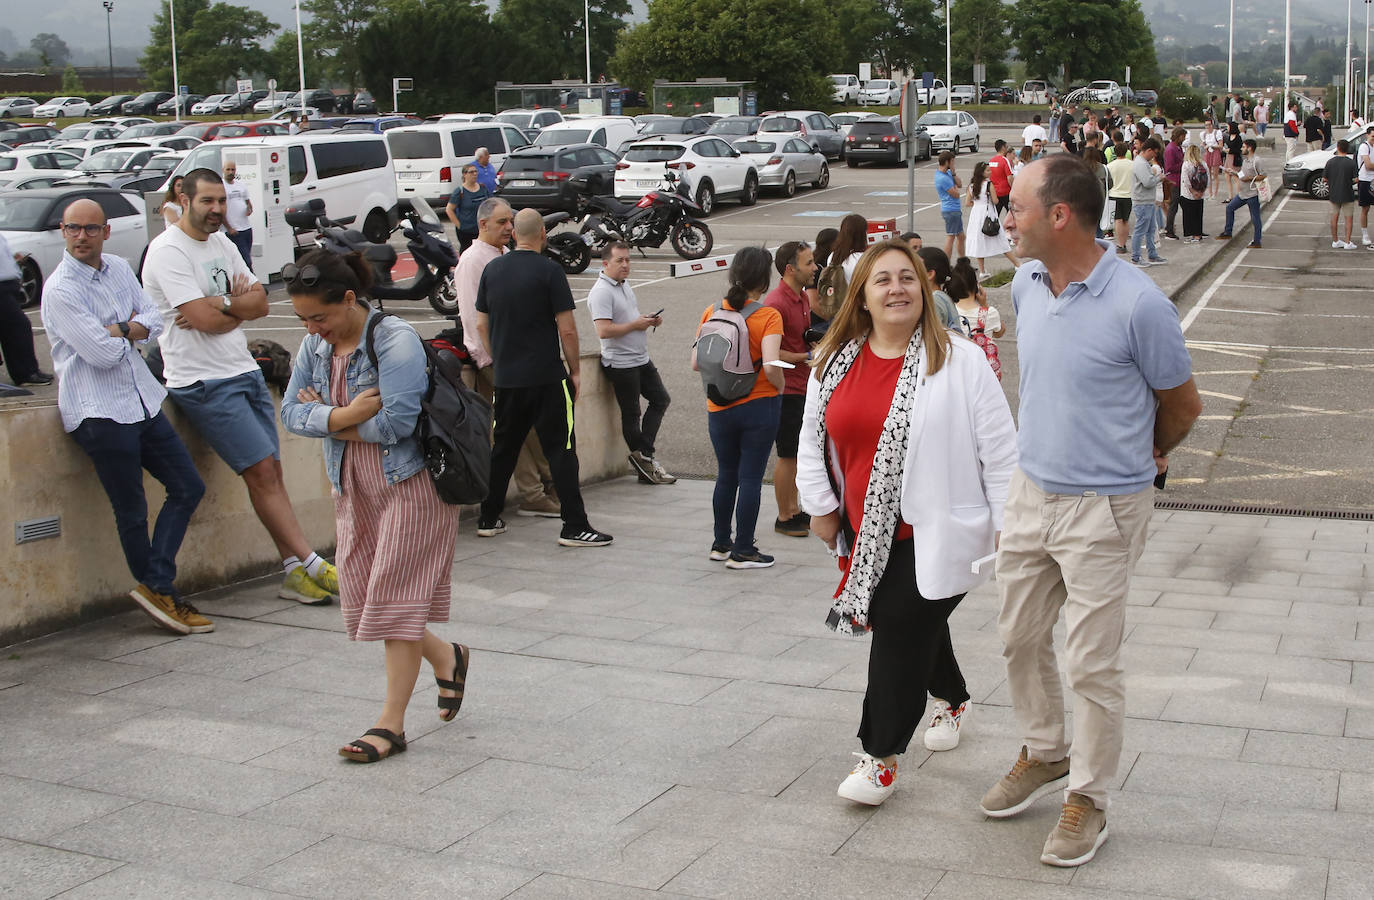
<point x="657" y="314"/>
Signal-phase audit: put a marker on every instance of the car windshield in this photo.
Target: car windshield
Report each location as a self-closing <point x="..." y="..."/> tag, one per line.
<point x="414" y="144"/>
<point x="75" y="132"/>
<point x="875" y="127"/>
<point x="561" y="137"/>
<point x="755" y="146"/>
<point x="107" y="161"/>
<point x="23" y="213"/>
<point x="733" y="126"/>
<point x="519" y="120"/>
<point x="229" y="131"/>
<point x="783" y="125"/>
<point x="1101" y="84"/>
<point x="652" y="153"/>
<point x="938" y="118"/>
<point x="839" y="79"/>
<point x="164" y="163"/>
<point x="139" y="131"/>
<point x="666" y="126"/>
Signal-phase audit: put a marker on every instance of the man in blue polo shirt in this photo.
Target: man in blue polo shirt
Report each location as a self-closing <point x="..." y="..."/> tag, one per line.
<point x="486" y="172"/>
<point x="1106" y="392"/>
<point x="947" y="188"/>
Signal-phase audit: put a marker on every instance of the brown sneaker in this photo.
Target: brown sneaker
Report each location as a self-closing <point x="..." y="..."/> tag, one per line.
<point x="1081" y="830"/>
<point x="545" y="507"/>
<point x="192" y="617"/>
<point x="1028" y="781"/>
<point x="161" y="608"/>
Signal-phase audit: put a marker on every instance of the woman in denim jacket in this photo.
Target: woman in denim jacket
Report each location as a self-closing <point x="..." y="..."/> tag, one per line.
<point x="395" y="536"/>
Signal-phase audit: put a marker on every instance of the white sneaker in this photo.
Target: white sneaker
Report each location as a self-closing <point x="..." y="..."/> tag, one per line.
<point x="1364" y="239"/>
<point x="871" y="782"/>
<point x="1336" y="245"/>
<point x="943" y="732"/>
<point x="1348" y="245"/>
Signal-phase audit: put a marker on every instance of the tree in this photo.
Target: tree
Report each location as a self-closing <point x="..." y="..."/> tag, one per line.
<point x="979" y="35"/>
<point x="455" y="65"/>
<point x="51" y="50"/>
<point x="1084" y="40"/>
<point x="544" y="38"/>
<point x="332" y="33"/>
<point x="215" y="44"/>
<point x="71" y="82"/>
<point x="282" y="62"/>
<point x="686" y="39"/>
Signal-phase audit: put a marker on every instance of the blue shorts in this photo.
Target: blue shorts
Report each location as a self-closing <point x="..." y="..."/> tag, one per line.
<point x="235" y="416"/>
<point x="954" y="221"/>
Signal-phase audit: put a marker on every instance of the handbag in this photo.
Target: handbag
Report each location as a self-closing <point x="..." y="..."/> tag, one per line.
<point x="991" y="227"/>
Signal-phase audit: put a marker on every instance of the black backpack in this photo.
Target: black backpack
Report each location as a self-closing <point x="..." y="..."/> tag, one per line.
<point x="454" y="427"/>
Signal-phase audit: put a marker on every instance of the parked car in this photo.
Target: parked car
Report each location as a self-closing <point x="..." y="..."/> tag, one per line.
<point x="83" y="149"/>
<point x="122" y="122"/>
<point x="14" y="107"/>
<point x="999" y="94"/>
<point x="1036" y="92"/>
<point x="179" y="105"/>
<point x="821" y="130"/>
<point x="209" y="106"/>
<point x="963" y="93"/>
<point x="23" y="159"/>
<point x="177" y="142"/>
<point x="732" y="127"/>
<point x="150" y="177"/>
<point x="152" y="129"/>
<point x="466" y="117"/>
<point x="276" y="101"/>
<point x="363" y="102"/>
<point x="1304" y="172"/>
<point x="117" y="161"/>
<point x="293" y="111"/>
<point x="1107" y="92"/>
<point x="320" y="98"/>
<point x="950" y="129"/>
<point x="780" y="127"/>
<point x="31" y="222"/>
<point x="845" y="89"/>
<point x="242" y="102"/>
<point x="20" y="135"/>
<point x="880" y="140"/>
<point x="783" y="163"/>
<point x="88" y="132"/>
<point x="31" y="180"/>
<point x="612" y="132"/>
<point x="1145" y="97"/>
<point x="61" y="107"/>
<point x="248" y="129"/>
<point x="675" y="125"/>
<point x="429" y="159"/>
<point x="555" y="178"/>
<point x="935" y="95"/>
<point x="145" y="104"/>
<point x="708" y="164"/>
<point x="111" y="105"/>
<point x="379" y="124"/>
<point x="528" y="120"/>
<point x="880" y="92"/>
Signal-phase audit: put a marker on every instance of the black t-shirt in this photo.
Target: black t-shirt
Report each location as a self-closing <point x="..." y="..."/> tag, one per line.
<point x="1340" y="175"/>
<point x="521" y="293"/>
<point x="1313" y="127"/>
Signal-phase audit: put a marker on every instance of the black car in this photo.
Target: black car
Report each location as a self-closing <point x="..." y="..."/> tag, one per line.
<point x="881" y="140"/>
<point x="145" y="104"/>
<point x="999" y="95"/>
<point x="179" y="105"/>
<point x="17" y="136"/>
<point x="241" y="103"/>
<point x="320" y="98"/>
<point x="1146" y="98"/>
<point x="732" y="127"/>
<point x="550" y="178"/>
<point x="110" y="105"/>
<point x="364" y="104"/>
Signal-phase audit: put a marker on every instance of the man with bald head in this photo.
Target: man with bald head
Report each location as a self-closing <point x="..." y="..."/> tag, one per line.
<point x="94" y="311"/>
<point x="524" y="318"/>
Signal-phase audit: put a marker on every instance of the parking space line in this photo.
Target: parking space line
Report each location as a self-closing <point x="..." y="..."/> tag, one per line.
<point x="1207" y="295"/>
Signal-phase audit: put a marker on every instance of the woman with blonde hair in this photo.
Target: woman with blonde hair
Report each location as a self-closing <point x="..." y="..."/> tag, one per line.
<point x="906" y="450"/>
<point x="1194" y="183"/>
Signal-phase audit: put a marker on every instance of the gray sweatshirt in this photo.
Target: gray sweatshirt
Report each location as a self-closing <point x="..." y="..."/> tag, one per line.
<point x="1144" y="179"/>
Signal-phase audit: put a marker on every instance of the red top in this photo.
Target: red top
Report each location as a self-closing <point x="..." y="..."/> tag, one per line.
<point x="998" y="170"/>
<point x="854" y="420"/>
<point x="796" y="318"/>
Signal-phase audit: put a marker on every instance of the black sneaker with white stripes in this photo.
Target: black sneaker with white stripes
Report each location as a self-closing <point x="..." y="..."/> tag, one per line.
<point x="754" y="560"/>
<point x="584" y="537"/>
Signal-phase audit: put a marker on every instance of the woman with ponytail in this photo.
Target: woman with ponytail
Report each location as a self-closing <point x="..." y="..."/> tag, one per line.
<point x="395" y="536"/>
<point x="936" y="263"/>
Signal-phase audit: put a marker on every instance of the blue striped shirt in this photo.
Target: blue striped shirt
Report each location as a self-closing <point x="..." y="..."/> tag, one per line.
<point x="99" y="376"/>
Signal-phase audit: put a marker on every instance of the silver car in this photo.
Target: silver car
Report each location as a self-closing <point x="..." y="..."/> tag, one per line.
<point x="784" y="163"/>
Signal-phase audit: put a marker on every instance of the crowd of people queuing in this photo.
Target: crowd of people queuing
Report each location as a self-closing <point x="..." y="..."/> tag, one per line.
<point x="871" y="371"/>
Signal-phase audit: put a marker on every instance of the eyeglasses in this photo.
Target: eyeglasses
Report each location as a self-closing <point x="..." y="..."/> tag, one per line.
<point x="71" y="229"/>
<point x="308" y="276"/>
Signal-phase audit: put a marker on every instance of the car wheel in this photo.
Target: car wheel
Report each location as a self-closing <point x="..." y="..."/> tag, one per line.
<point x="751" y="190"/>
<point x="973" y="148"/>
<point x="789" y="186"/>
<point x="59" y="114"/>
<point x="824" y="180"/>
<point x="376" y="228"/>
<point x="1319" y="187"/>
<point x="31" y="280"/>
<point x="706" y="198"/>
<point x="956" y="146"/>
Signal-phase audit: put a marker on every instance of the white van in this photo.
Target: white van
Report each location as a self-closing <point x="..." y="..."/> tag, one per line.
<point x="1035" y="93"/>
<point x="430" y="158"/>
<point x="612" y="132"/>
<point x="350" y="172"/>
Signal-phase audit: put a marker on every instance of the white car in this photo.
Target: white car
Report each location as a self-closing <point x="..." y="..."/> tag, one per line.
<point x="950" y="130"/>
<point x="845" y="121"/>
<point x="783" y="162"/>
<point x="31" y="224"/>
<point x="936" y="95"/>
<point x="274" y="102"/>
<point x="963" y="93"/>
<point x="58" y="107"/>
<point x="14" y="107"/>
<point x="880" y="92"/>
<point x="122" y="122"/>
<point x="466" y="117"/>
<point x="83" y="149"/>
<point x="846" y="89"/>
<point x="24" y="160"/>
<point x="710" y="167"/>
<point x="780" y="127"/>
<point x="87" y="132"/>
<point x="1108" y="92"/>
<point x="210" y="105"/>
<point x="289" y="112"/>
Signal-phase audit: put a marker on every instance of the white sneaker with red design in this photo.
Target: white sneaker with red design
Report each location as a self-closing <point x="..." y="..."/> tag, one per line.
<point x="943" y="732"/>
<point x="871" y="782"/>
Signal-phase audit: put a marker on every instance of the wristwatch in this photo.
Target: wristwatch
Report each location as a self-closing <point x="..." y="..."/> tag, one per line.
<point x="124" y="329"/>
<point x="226" y="302"/>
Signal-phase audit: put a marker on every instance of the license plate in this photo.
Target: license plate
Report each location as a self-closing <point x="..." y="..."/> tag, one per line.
<point x="651" y="182"/>
<point x="408" y="176"/>
<point x="869" y="145"/>
<point x="522" y="182"/>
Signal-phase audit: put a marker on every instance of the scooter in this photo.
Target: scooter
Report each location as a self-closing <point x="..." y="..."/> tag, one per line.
<point x="434" y="256"/>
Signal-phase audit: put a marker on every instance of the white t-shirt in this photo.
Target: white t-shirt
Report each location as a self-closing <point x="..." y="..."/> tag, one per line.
<point x="179" y="269"/>
<point x="236" y="206"/>
<point x="1365" y="174"/>
<point x="1031" y="133"/>
<point x="968" y="312"/>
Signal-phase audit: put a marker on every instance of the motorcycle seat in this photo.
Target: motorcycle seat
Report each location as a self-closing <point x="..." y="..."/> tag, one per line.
<point x="383" y="254"/>
<point x="615" y="206"/>
<point x="355" y="237"/>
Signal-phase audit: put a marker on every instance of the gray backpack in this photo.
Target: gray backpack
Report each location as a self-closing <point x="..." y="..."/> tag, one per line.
<point x="728" y="372"/>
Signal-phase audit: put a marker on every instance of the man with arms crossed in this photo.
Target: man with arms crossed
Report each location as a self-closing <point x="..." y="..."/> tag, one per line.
<point x="1079" y="503"/>
<point x="94" y="311"/>
<point x="205" y="292"/>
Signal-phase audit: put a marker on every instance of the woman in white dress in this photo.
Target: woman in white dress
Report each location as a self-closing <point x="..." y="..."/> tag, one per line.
<point x="978" y="245"/>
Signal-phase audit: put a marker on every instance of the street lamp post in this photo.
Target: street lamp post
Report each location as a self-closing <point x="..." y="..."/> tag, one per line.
<point x="1345" y="111"/>
<point x="109" y="39"/>
<point x="1287" y="51"/>
<point x="587" y="35"/>
<point x="1230" y="45"/>
<point x="300" y="55"/>
<point x="172" y="24"/>
<point x="949" y="65"/>
<point x="1364" y="79"/>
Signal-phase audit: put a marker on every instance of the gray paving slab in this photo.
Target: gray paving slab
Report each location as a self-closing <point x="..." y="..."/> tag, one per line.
<point x="737" y="869"/>
<point x="35" y="810"/>
<point x="1205" y="873"/>
<point x="135" y="880"/>
<point x="195" y="782"/>
<point x="561" y="887"/>
<point x="33" y="872"/>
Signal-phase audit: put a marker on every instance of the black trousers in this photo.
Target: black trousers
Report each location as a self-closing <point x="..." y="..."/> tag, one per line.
<point x="16" y="333"/>
<point x="630" y="384"/>
<point x="548" y="409"/>
<point x="1192" y="217"/>
<point x="910" y="656"/>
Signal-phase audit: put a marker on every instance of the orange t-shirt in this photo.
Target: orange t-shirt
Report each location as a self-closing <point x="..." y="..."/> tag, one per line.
<point x="764" y="322"/>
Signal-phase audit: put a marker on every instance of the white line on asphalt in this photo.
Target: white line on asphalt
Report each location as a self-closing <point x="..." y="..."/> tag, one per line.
<point x="1274" y="268"/>
<point x="1259" y="312"/>
<point x="1221" y="279"/>
<point x="1285" y="349"/>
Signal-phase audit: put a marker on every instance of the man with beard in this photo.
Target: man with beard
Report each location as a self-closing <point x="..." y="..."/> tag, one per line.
<point x="205" y="292"/>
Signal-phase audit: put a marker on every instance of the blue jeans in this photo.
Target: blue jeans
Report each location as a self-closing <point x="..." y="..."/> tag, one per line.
<point x="121" y="453"/>
<point x="1145" y="227"/>
<point x="742" y="436"/>
<point x="1235" y="204"/>
<point x="244" y="241"/>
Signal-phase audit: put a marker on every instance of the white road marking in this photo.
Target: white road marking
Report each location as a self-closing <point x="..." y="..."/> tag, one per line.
<point x="1207" y="295"/>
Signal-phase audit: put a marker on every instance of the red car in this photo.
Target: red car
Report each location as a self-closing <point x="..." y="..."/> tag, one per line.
<point x="211" y="131"/>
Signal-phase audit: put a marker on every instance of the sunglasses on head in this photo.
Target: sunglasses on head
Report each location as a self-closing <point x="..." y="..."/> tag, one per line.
<point x="308" y="276"/>
<point x="73" y="229"/>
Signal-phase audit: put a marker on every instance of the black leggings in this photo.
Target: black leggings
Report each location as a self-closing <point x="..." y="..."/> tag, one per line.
<point x="911" y="654"/>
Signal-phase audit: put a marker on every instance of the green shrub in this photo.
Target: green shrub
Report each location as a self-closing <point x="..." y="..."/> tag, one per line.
<point x="1179" y="101"/>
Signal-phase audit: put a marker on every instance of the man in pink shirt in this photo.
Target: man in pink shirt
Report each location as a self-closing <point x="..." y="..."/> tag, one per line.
<point x="495" y="225"/>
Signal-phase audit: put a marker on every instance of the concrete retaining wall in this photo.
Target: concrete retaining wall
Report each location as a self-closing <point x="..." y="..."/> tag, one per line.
<point x="50" y="584"/>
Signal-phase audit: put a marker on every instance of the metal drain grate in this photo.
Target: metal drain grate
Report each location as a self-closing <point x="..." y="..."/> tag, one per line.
<point x="1354" y="515"/>
<point x="37" y="529"/>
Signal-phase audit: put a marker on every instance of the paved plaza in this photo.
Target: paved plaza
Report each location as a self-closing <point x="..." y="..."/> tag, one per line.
<point x="641" y="721"/>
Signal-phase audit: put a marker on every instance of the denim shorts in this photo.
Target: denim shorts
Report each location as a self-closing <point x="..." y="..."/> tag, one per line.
<point x="236" y="417"/>
<point x="954" y="220"/>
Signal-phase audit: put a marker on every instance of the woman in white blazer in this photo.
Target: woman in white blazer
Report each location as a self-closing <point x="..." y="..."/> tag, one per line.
<point x="906" y="450"/>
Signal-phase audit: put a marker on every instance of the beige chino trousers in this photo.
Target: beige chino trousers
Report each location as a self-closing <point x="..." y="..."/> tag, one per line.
<point x="1075" y="553"/>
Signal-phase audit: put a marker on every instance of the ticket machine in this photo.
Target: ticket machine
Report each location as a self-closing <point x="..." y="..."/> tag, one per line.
<point x="265" y="172"/>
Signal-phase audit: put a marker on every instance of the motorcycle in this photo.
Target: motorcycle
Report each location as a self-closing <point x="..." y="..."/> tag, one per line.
<point x="434" y="256"/>
<point x="665" y="214"/>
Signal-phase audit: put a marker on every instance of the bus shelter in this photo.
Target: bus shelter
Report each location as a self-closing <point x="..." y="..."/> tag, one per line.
<point x="705" y="95"/>
<point x="598" y="99"/>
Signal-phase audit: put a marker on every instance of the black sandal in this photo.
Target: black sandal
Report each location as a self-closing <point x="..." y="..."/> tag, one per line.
<point x="451" y="705"/>
<point x="369" y="752"/>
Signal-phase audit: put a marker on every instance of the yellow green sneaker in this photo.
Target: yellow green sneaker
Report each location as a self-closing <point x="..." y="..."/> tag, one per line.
<point x="328" y="578"/>
<point x="300" y="587"/>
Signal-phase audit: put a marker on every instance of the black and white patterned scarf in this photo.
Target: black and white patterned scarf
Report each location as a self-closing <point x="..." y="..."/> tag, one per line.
<point x="883" y="500"/>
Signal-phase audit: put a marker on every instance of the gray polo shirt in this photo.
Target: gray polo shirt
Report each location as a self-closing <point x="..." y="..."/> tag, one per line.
<point x="1144" y="180"/>
<point x="616" y="302"/>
